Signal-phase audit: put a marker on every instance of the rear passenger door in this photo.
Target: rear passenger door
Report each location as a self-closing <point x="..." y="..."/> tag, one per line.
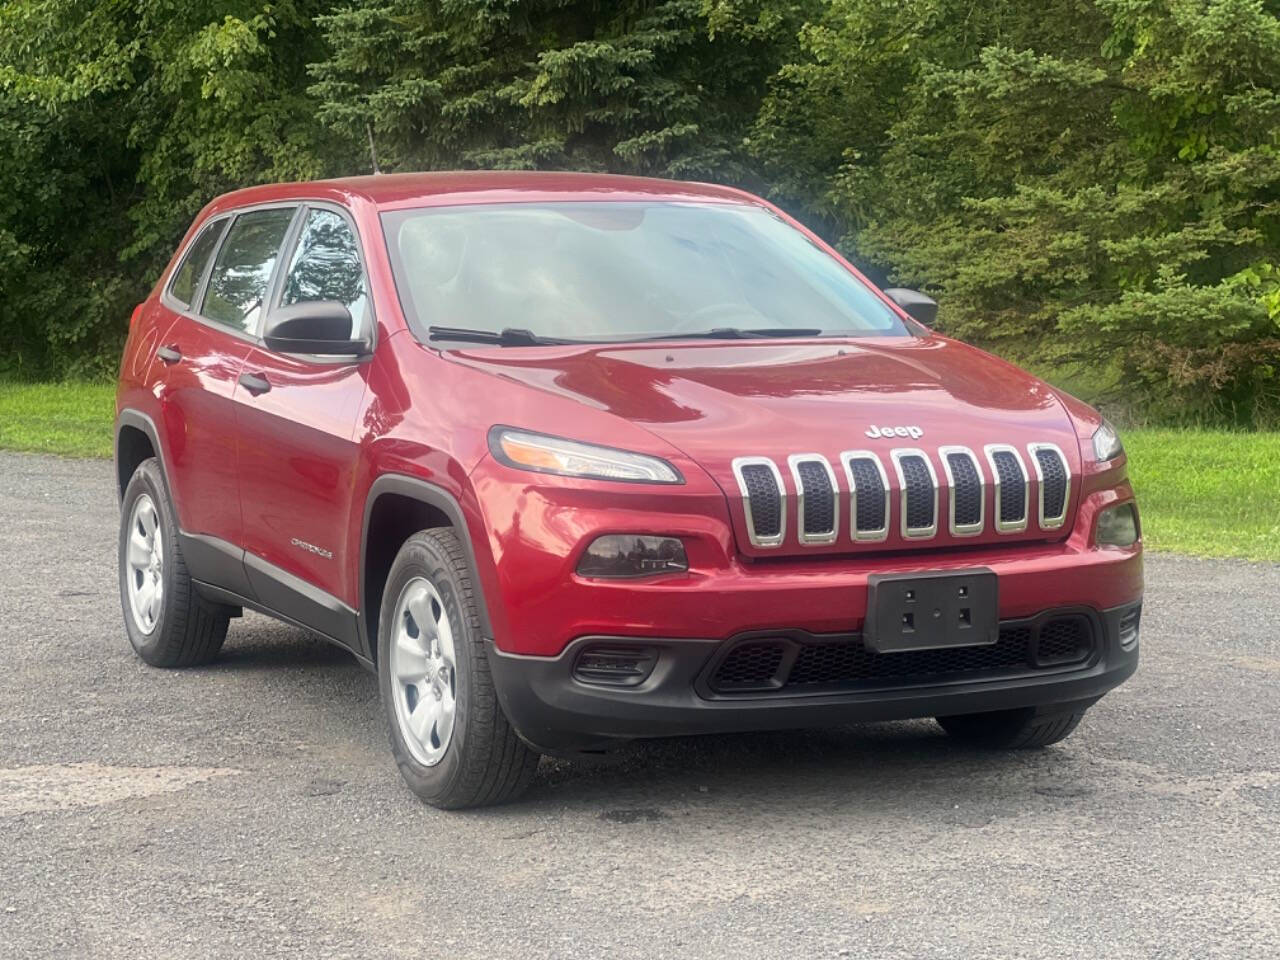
<point x="212" y="298"/>
<point x="297" y="446"/>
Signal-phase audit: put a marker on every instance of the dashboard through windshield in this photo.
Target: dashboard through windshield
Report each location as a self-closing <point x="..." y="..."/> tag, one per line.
<point x="616" y="271"/>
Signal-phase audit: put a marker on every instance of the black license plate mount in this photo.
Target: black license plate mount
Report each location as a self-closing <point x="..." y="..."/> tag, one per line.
<point x="930" y="611"/>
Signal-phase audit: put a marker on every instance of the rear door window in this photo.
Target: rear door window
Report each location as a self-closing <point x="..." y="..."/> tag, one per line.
<point x="241" y="274"/>
<point x="326" y="266"/>
<point x="186" y="279"/>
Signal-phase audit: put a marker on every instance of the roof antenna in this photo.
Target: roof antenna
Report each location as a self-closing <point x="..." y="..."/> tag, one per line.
<point x="373" y="154"/>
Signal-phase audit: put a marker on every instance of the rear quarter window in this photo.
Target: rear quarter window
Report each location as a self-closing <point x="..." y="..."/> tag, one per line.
<point x="186" y="279"/>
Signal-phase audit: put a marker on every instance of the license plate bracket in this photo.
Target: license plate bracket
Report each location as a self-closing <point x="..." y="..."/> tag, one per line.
<point x="914" y="611"/>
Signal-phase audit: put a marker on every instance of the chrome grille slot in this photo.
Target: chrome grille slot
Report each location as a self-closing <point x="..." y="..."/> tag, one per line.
<point x="868" y="495"/>
<point x="968" y="491"/>
<point x="1054" y="483"/>
<point x="1010" y="475"/>
<point x="764" y="500"/>
<point x="918" y="486"/>
<point x="818" y="510"/>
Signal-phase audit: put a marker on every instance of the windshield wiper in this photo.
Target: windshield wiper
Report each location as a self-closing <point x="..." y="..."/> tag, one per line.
<point x="506" y="337"/>
<point x="739" y="333"/>
<point x="520" y="337"/>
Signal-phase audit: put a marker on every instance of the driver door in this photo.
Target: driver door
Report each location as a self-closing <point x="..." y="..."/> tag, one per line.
<point x="297" y="445"/>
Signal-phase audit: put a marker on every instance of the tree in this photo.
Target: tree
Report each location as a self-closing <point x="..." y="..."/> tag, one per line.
<point x="117" y="123"/>
<point x="665" y="88"/>
<point x="1089" y="182"/>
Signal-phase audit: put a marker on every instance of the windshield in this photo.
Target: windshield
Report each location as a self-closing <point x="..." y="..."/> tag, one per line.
<point x="617" y="271"/>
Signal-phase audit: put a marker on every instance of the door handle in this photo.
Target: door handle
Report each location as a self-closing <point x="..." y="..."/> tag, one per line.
<point x="255" y="383"/>
<point x="169" y="354"/>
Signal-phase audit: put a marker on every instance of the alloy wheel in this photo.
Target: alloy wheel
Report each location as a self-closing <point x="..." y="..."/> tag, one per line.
<point x="423" y="671"/>
<point x="145" y="564"/>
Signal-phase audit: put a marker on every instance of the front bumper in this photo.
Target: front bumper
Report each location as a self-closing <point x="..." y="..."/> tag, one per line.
<point x="557" y="713"/>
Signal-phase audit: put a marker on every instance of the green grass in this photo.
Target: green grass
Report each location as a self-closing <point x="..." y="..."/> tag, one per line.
<point x="69" y="419"/>
<point x="1206" y="492"/>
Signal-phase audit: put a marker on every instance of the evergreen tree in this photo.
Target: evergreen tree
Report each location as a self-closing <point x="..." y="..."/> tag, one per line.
<point x="664" y="88"/>
<point x="1089" y="182"/>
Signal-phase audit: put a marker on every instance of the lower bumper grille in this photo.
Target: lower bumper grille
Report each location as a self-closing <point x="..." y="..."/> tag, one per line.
<point x="790" y="664"/>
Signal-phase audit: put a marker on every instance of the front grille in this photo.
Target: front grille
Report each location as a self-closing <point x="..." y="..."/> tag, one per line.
<point x="1011" y="491"/>
<point x="815" y="484"/>
<point x="750" y="666"/>
<point x="919" y="495"/>
<point x="914" y="505"/>
<point x="762" y="498"/>
<point x="1064" y="640"/>
<point x="1051" y="472"/>
<point x="870" y="497"/>
<point x="966" y="491"/>
<point x="761" y="665"/>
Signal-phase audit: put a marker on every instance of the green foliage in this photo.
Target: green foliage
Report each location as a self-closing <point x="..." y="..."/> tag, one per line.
<point x="1207" y="492"/>
<point x="662" y="88"/>
<point x="1085" y="184"/>
<point x="1080" y="182"/>
<point x="68" y="419"/>
<point x="118" y="121"/>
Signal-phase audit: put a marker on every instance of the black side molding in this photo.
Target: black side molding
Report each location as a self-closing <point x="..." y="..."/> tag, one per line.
<point x="302" y="602"/>
<point x="224" y="573"/>
<point x="214" y="561"/>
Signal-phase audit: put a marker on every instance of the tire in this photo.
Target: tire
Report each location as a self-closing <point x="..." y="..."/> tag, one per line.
<point x="450" y="738"/>
<point x="1012" y="729"/>
<point x="180" y="629"/>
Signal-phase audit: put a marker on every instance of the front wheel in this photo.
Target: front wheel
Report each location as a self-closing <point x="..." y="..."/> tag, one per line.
<point x="1012" y="729"/>
<point x="450" y="738"/>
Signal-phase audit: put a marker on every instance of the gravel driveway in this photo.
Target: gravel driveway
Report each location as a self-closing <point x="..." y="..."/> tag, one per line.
<point x="252" y="809"/>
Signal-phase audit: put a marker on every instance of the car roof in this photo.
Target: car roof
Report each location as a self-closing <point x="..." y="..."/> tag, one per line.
<point x="400" y="190"/>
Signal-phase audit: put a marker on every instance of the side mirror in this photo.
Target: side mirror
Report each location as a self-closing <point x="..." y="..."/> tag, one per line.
<point x="917" y="305"/>
<point x="319" y="326"/>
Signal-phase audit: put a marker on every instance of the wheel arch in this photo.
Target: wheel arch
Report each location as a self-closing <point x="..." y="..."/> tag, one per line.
<point x="137" y="439"/>
<point x="398" y="506"/>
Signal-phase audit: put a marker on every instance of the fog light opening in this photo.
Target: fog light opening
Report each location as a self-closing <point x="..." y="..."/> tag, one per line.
<point x="615" y="665"/>
<point x="1117" y="526"/>
<point x="621" y="556"/>
<point x="1129" y="625"/>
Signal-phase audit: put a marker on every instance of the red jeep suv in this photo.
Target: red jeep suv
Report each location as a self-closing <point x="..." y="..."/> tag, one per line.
<point x="570" y="460"/>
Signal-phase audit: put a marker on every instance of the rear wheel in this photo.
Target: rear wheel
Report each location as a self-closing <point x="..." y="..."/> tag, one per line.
<point x="450" y="738"/>
<point x="168" y="623"/>
<point x="1012" y="729"/>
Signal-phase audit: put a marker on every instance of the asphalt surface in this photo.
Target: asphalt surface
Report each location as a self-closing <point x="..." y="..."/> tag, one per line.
<point x="251" y="808"/>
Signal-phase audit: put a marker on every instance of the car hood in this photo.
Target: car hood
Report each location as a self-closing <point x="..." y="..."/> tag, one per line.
<point x="719" y="401"/>
<point x="726" y="399"/>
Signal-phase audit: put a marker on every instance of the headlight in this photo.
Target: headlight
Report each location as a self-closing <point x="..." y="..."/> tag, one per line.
<point x="1117" y="526"/>
<point x="536" y="451"/>
<point x="1106" y="442"/>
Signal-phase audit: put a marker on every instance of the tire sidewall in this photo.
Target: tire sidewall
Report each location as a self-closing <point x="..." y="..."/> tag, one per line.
<point x="420" y="557"/>
<point x="148" y="480"/>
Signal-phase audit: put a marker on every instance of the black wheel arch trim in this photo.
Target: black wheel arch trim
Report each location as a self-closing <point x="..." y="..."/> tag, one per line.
<point x="433" y="496"/>
<point x="131" y="417"/>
